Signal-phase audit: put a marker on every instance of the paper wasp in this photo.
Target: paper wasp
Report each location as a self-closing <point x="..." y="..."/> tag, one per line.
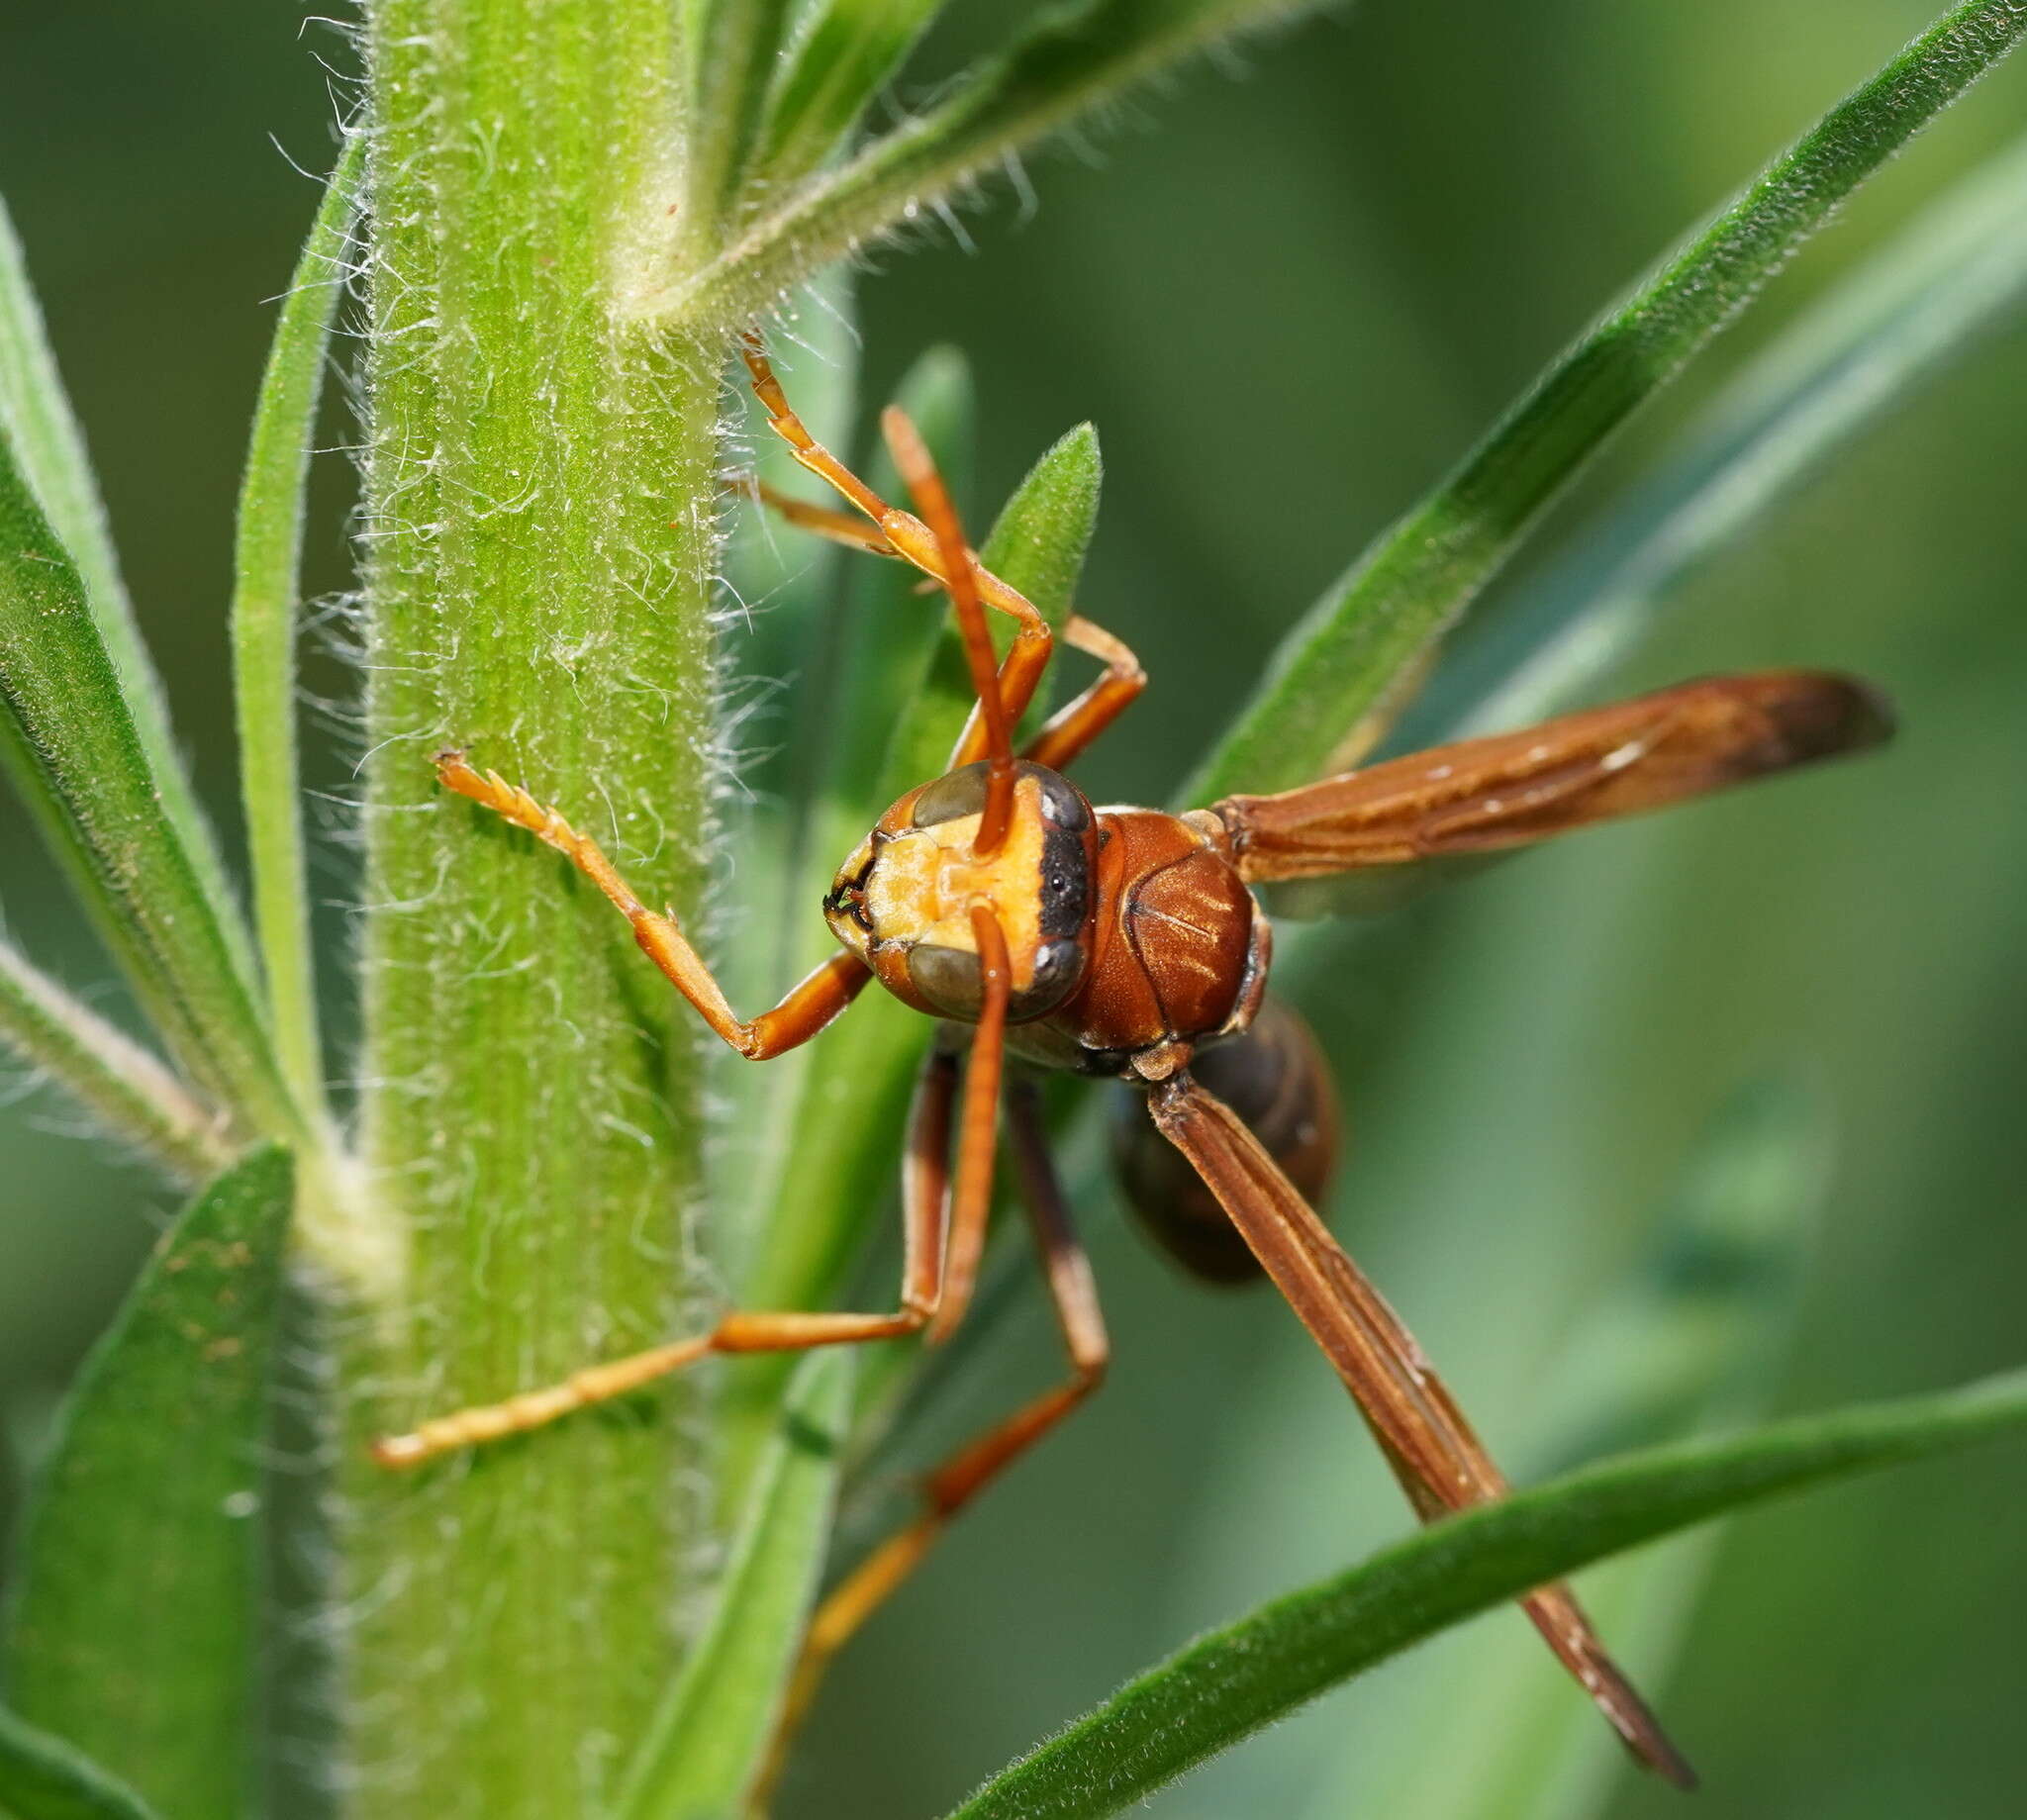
<point x="1125" y="942"/>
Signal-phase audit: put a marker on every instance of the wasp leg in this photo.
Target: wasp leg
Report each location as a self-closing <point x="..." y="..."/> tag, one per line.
<point x="914" y="541"/>
<point x="1079" y="722"/>
<point x="808" y="1007"/>
<point x="820" y="521"/>
<point x="960" y="1478"/>
<point x="1075" y="725"/>
<point x="925" y="1176"/>
<point x="928" y="1276"/>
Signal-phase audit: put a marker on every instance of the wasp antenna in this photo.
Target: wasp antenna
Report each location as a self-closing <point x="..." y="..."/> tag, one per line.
<point x="917" y="467"/>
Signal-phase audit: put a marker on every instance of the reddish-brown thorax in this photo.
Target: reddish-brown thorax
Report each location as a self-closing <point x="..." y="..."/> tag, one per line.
<point x="1179" y="952"/>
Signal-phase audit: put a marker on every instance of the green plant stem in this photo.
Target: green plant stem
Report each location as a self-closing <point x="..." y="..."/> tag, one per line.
<point x="1348" y="658"/>
<point x="124" y="1088"/>
<point x="267" y="558"/>
<point x="540" y="509"/>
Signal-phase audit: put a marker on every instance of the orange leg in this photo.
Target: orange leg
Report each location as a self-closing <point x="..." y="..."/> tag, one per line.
<point x="914" y="541"/>
<point x="924" y="1186"/>
<point x="960" y="1478"/>
<point x="806" y="1010"/>
<point x="1074" y="727"/>
<point x="1076" y="723"/>
<point x="822" y="520"/>
<point x="927" y="1273"/>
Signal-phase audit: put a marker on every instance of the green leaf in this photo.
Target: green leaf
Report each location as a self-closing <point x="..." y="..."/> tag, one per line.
<point x="124" y="1088"/>
<point x="836" y="67"/>
<point x="68" y="740"/>
<point x="42" y="1779"/>
<point x="134" y="1630"/>
<point x="1957" y="272"/>
<point x="708" y="1740"/>
<point x="1692" y="1336"/>
<point x="731" y="45"/>
<point x="1070" y="58"/>
<point x="1233" y="1682"/>
<point x="36" y="416"/>
<point x="267" y="558"/>
<point x="1349" y="657"/>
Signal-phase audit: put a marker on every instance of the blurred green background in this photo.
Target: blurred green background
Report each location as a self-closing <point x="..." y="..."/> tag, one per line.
<point x="1288" y="295"/>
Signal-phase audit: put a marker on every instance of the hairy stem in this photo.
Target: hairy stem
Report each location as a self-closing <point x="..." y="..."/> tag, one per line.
<point x="540" y="500"/>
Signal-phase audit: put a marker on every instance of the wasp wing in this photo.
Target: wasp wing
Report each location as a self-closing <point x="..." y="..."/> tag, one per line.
<point x="1440" y="1463"/>
<point x="1482" y="797"/>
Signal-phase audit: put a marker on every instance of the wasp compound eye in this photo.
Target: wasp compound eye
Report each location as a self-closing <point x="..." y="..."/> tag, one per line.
<point x="1058" y="967"/>
<point x="961" y="793"/>
<point x="1061" y="801"/>
<point x="950" y="979"/>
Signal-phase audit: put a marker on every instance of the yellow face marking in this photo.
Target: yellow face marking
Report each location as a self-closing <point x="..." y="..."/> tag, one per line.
<point x="925" y="880"/>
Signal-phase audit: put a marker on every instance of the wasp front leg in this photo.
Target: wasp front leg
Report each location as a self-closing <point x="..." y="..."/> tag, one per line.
<point x="808" y="1006"/>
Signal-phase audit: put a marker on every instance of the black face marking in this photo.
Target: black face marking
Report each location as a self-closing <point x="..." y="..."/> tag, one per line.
<point x="1065" y="882"/>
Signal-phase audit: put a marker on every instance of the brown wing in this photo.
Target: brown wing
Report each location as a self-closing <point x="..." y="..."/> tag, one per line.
<point x="1512" y="788"/>
<point x="1439" y="1460"/>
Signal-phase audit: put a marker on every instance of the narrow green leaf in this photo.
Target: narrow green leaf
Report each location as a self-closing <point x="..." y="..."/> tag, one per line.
<point x="124" y="1088"/>
<point x="836" y="66"/>
<point x="707" y="1743"/>
<point x="1233" y="1682"/>
<point x="1924" y="300"/>
<point x="68" y="740"/>
<point x="42" y="1779"/>
<point x="134" y="1630"/>
<point x="1387" y="613"/>
<point x="36" y="415"/>
<point x="1064" y="62"/>
<point x="268" y="559"/>
<point x="732" y="47"/>
<point x="1692" y="1337"/>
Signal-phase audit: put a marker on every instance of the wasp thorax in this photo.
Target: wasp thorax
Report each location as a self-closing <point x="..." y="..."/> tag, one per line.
<point x="904" y="899"/>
